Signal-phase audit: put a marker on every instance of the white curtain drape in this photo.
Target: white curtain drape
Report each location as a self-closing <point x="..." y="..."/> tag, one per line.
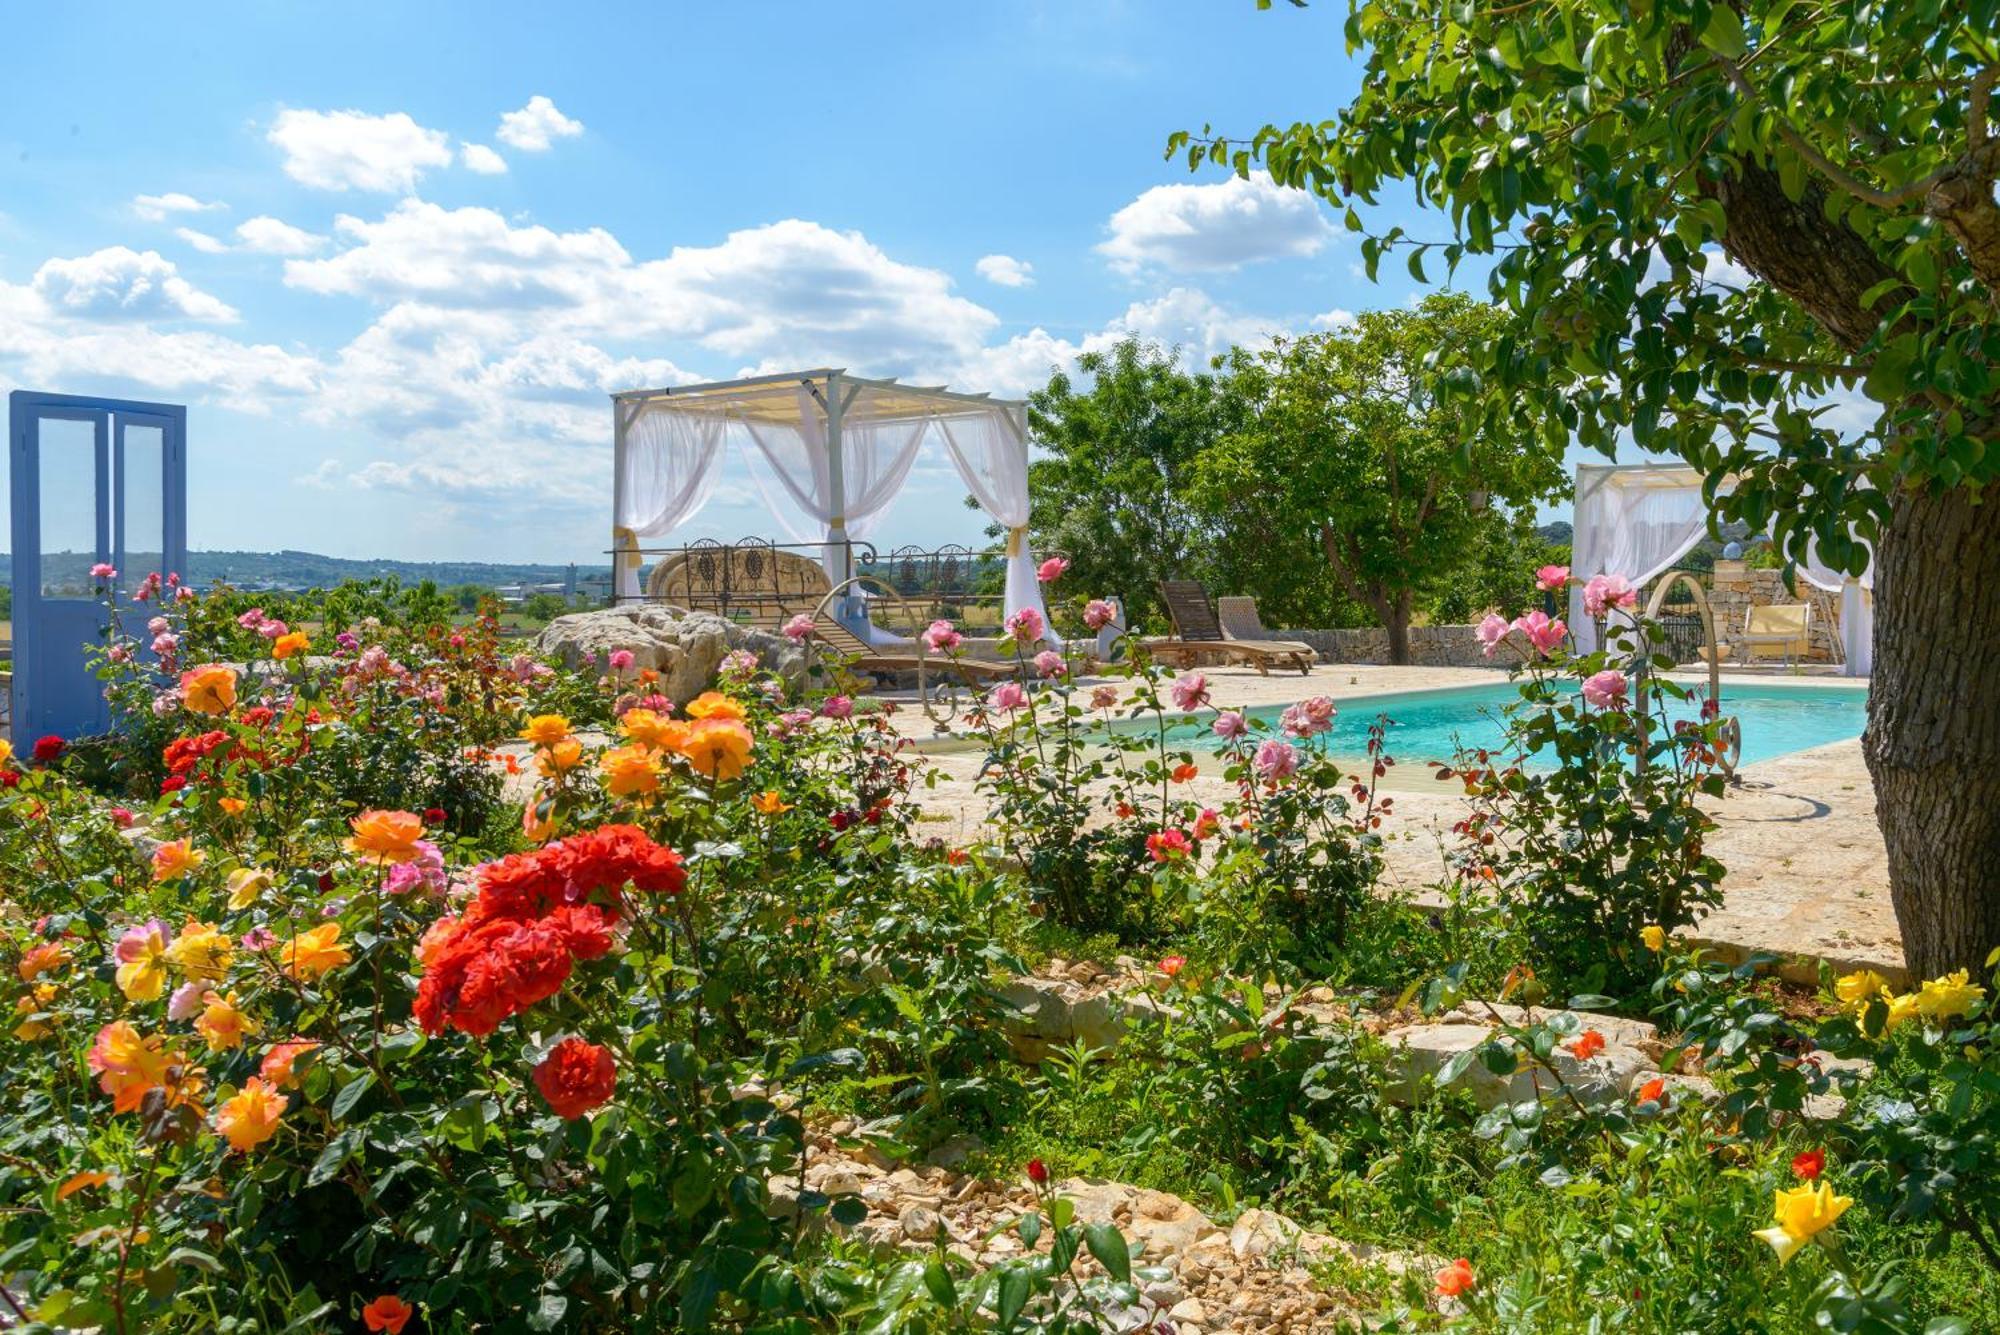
<point x="990" y="449"/>
<point x="1630" y="522"/>
<point x="1857" y="608"/>
<point x="665" y="475"/>
<point x="875" y="460"/>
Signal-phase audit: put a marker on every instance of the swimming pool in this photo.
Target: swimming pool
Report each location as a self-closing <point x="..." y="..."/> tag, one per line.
<point x="1431" y="725"/>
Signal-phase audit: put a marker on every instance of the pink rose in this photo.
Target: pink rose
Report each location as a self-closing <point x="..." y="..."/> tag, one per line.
<point x="1552" y="579"/>
<point x="103" y="570"/>
<point x="1008" y="695"/>
<point x="271" y="630"/>
<point x="942" y="637"/>
<point x="1546" y="635"/>
<point x="1025" y="625"/>
<point x="837" y="706"/>
<point x="1097" y="614"/>
<point x="1491" y="631"/>
<point x="1605" y="592"/>
<point x="121" y="817"/>
<point x="1276" y="759"/>
<point x="1104" y="697"/>
<point x="1231" y="725"/>
<point x="185" y="1003"/>
<point x="1605" y="689"/>
<point x="1051" y="570"/>
<point x="1049" y="663"/>
<point x="620" y="659"/>
<point x="1189" y="690"/>
<point x="251" y="619"/>
<point x="799" y="628"/>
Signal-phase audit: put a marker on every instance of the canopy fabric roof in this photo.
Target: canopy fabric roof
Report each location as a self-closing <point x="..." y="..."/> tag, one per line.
<point x="840" y="446"/>
<point x="1636" y="520"/>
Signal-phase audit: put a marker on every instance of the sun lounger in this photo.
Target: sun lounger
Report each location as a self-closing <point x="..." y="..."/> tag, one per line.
<point x="1785" y="628"/>
<point x="1198" y="636"/>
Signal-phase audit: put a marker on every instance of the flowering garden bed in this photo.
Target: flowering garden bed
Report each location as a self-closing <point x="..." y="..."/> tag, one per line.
<point x="358" y="1039"/>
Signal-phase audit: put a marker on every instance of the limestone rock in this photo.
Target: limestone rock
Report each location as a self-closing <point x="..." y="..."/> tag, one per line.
<point x="1424" y="1050"/>
<point x="685" y="648"/>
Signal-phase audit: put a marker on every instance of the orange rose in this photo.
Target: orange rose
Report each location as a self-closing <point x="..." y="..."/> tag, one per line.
<point x="290" y="645"/>
<point x="648" y="728"/>
<point x="718" y="747"/>
<point x="630" y="771"/>
<point x="386" y="836"/>
<point x="387" y="1313"/>
<point x="209" y="689"/>
<point x="312" y="953"/>
<point x="280" y="1065"/>
<point x="558" y="757"/>
<point x="252" y="1116"/>
<point x="714" y="704"/>
<point x="546" y="729"/>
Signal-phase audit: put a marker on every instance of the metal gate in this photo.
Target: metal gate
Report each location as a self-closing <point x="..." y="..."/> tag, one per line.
<point x="96" y="482"/>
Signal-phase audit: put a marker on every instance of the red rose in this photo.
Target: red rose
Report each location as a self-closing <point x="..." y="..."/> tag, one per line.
<point x="173" y="783"/>
<point x="10" y="778"/>
<point x="49" y="748"/>
<point x="1810" y="1164"/>
<point x="1038" y="1172"/>
<point x="575" y="1077"/>
<point x="433" y="815"/>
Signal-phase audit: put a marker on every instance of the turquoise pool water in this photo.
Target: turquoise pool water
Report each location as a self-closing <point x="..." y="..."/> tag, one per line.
<point x="1431" y="725"/>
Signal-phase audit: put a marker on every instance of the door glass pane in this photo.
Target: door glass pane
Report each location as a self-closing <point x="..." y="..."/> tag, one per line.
<point x="145" y="506"/>
<point x="68" y="465"/>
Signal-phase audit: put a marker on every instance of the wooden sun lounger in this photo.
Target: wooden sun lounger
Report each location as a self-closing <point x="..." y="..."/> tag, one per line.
<point x="1198" y="636"/>
<point x="861" y="656"/>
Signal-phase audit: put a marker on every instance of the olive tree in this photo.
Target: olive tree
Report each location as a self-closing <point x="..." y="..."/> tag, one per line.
<point x="1721" y="229"/>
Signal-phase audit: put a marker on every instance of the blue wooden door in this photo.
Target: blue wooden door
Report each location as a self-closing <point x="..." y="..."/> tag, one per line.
<point x="95" y="482"/>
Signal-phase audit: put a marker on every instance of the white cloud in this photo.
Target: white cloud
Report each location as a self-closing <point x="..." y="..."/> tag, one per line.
<point x="1006" y="271"/>
<point x="118" y="283"/>
<point x="341" y="150"/>
<point x="789" y="293"/>
<point x="534" y="127"/>
<point x="1195" y="228"/>
<point x="201" y="241"/>
<point x="1337" y="318"/>
<point x="47" y="343"/>
<point x="155" y="208"/>
<point x="481" y="159"/>
<point x="273" y="236"/>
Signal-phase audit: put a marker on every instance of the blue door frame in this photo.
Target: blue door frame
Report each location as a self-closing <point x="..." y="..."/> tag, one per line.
<point x="58" y="611"/>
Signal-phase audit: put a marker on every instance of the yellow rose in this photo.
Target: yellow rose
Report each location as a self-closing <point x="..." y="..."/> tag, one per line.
<point x="200" y="950"/>
<point x="1655" y="937"/>
<point x="289" y="645"/>
<point x="546" y="729"/>
<point x="34" y="1003"/>
<point x="6" y="750"/>
<point x="247" y="885"/>
<point x="310" y="954"/>
<point x="1860" y="987"/>
<point x="1800" y="1215"/>
<point x="1950" y="995"/>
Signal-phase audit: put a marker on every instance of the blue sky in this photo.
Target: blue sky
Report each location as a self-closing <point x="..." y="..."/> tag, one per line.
<point x="395" y="257"/>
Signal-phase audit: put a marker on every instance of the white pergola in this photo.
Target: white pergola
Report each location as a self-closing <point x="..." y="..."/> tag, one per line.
<point x="839" y="445"/>
<point x="1636" y="520"/>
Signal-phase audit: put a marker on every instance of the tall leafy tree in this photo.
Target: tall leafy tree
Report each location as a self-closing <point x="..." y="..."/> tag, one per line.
<point x="1710" y="221"/>
<point x="1113" y="486"/>
<point x="1351" y="451"/>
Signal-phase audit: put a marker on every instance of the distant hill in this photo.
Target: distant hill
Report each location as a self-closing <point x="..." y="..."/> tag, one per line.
<point x="305" y="570"/>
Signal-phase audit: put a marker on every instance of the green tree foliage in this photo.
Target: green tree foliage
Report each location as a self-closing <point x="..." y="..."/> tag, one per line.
<point x="1610" y="161"/>
<point x="1348" y="453"/>
<point x="1114" y="488"/>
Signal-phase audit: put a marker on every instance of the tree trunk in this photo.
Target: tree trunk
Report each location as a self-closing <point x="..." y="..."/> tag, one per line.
<point x="1933" y="740"/>
<point x="1397" y="619"/>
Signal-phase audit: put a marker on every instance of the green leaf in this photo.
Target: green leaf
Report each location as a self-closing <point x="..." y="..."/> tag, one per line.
<point x="334" y="1157"/>
<point x="1108" y="1245"/>
<point x="1723" y="33"/>
<point x="848" y="1211"/>
<point x="549" y="1312"/>
<point x="351" y="1094"/>
<point x="1013" y="1296"/>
